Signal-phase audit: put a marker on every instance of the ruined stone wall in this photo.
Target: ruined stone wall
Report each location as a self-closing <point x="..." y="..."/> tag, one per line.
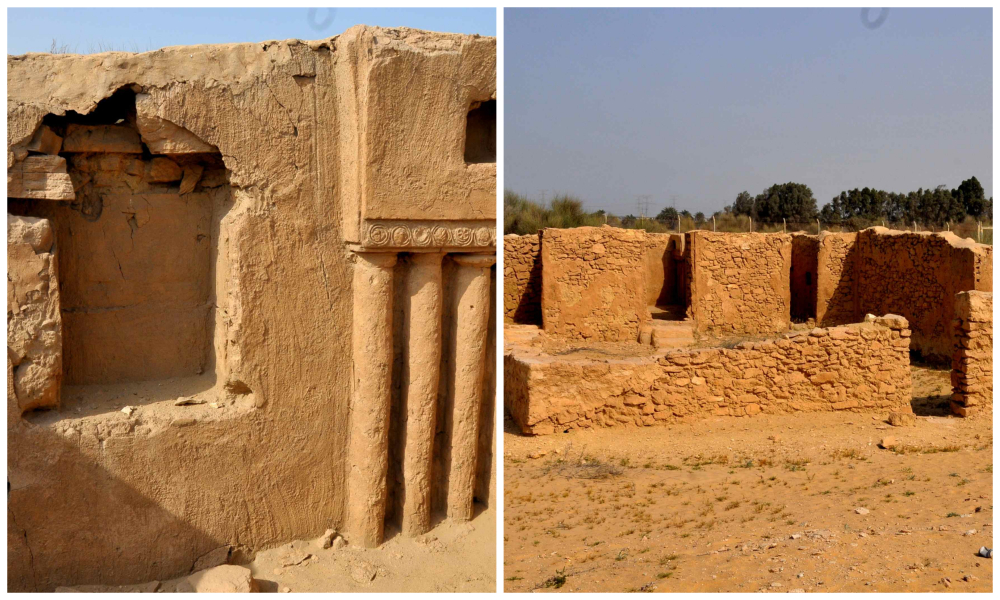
<point x="522" y="278"/>
<point x="593" y="283"/>
<point x="285" y="432"/>
<point x="917" y="275"/>
<point x="805" y="250"/>
<point x="836" y="279"/>
<point x="859" y="368"/>
<point x="972" y="360"/>
<point x="740" y="281"/>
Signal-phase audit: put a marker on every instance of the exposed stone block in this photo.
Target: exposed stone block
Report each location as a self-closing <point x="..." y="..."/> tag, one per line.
<point x="102" y="138"/>
<point x="34" y="321"/>
<point x="45" y="141"/>
<point x="40" y="178"/>
<point x="164" y="137"/>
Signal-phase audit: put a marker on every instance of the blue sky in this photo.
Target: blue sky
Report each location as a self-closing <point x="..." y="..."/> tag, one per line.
<point x="84" y="30"/>
<point x="693" y="106"/>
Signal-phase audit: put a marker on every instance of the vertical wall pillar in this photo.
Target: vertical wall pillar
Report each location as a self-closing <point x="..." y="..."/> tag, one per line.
<point x="370" y="396"/>
<point x="420" y="378"/>
<point x="472" y="311"/>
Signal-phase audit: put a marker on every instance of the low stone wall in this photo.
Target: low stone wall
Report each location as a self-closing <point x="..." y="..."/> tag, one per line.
<point x="917" y="275"/>
<point x="972" y="362"/>
<point x="522" y="278"/>
<point x="593" y="283"/>
<point x="740" y="281"/>
<point x="836" y="279"/>
<point x="863" y="367"/>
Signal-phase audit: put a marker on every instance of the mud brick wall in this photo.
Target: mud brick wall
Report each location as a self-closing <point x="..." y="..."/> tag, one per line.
<point x="836" y="279"/>
<point x="805" y="249"/>
<point x="522" y="279"/>
<point x="593" y="283"/>
<point x="862" y="367"/>
<point x="972" y="361"/>
<point x="917" y="275"/>
<point x="740" y="281"/>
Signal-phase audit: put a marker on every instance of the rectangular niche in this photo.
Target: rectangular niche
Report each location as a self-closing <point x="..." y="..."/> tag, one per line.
<point x="481" y="133"/>
<point x="136" y="288"/>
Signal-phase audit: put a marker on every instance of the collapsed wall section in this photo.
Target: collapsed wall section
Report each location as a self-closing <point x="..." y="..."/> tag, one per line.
<point x="917" y="275"/>
<point x="740" y="281"/>
<point x="862" y="367"/>
<point x="593" y="283"/>
<point x="522" y="278"/>
<point x="972" y="360"/>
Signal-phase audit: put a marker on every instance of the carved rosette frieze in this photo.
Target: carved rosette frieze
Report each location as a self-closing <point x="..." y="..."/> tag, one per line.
<point x="417" y="236"/>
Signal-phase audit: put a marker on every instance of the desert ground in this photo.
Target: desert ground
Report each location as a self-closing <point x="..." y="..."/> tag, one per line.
<point x="789" y="503"/>
<point x="454" y="557"/>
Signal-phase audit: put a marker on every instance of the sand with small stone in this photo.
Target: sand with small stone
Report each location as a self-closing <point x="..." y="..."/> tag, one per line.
<point x="769" y="503"/>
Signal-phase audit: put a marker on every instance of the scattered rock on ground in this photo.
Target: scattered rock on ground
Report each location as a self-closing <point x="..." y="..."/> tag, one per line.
<point x="223" y="579"/>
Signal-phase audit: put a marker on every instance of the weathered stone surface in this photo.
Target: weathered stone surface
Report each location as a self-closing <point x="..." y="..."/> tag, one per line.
<point x="40" y="178"/>
<point x="247" y="280"/>
<point x="972" y="360"/>
<point x="546" y="393"/>
<point x="225" y="579"/>
<point x="164" y="170"/>
<point x="219" y="556"/>
<point x="164" y="137"/>
<point x="593" y="283"/>
<point x="917" y="275"/>
<point x="740" y="281"/>
<point x="45" y="141"/>
<point x="34" y="322"/>
<point x="522" y="278"/>
<point x="102" y="138"/>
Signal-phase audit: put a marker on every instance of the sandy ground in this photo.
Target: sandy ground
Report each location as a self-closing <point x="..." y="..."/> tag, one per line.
<point x="452" y="557"/>
<point x="773" y="503"/>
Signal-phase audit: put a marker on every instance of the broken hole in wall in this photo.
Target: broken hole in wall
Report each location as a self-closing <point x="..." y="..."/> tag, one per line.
<point x="138" y="239"/>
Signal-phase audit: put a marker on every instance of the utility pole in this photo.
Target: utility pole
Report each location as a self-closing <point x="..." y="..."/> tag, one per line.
<point x="642" y="207"/>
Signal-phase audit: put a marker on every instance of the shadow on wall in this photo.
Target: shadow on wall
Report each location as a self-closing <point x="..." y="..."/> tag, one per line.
<point x="107" y="511"/>
<point x="529" y="307"/>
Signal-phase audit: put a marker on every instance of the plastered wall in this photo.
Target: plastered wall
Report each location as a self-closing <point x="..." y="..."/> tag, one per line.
<point x="593" y="283"/>
<point x="862" y="367"/>
<point x="522" y="279"/>
<point x="972" y="360"/>
<point x="296" y="348"/>
<point x="740" y="282"/>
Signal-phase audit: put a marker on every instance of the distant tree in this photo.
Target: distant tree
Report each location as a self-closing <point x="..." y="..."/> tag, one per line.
<point x="972" y="197"/>
<point x="743" y="205"/>
<point x="667" y="216"/>
<point x="699" y="217"/>
<point x="686" y="214"/>
<point x="629" y="220"/>
<point x="791" y="201"/>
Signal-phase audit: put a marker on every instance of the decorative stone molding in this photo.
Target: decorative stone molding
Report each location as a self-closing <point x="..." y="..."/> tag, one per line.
<point x="417" y="236"/>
